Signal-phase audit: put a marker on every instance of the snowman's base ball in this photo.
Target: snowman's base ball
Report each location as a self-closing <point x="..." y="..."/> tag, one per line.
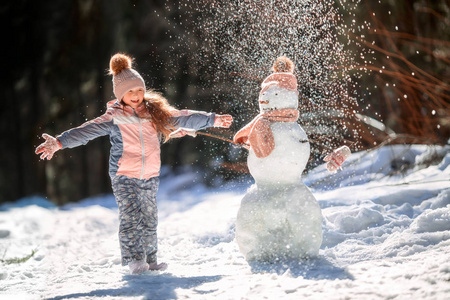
<point x="279" y="222"/>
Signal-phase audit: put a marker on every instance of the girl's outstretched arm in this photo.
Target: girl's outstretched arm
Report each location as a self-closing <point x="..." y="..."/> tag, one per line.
<point x="216" y="120"/>
<point x="76" y="136"/>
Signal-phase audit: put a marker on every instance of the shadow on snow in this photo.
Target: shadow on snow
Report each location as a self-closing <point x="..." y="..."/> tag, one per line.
<point x="158" y="286"/>
<point x="312" y="269"/>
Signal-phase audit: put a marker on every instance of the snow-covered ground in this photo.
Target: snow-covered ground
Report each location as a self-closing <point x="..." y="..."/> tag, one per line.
<point x="386" y="236"/>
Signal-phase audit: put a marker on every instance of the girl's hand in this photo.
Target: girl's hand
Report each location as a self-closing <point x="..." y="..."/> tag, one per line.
<point x="49" y="147"/>
<point x="223" y="121"/>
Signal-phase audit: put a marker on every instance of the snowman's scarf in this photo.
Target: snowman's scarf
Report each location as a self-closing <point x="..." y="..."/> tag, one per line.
<point x="258" y="135"/>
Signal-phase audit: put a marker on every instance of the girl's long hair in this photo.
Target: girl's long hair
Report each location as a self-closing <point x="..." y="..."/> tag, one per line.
<point x="160" y="112"/>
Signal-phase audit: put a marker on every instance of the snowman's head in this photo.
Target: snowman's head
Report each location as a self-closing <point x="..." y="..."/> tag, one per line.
<point x="276" y="97"/>
<point x="278" y="91"/>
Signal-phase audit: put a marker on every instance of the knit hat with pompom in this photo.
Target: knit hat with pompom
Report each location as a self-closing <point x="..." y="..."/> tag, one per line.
<point x="282" y="77"/>
<point x="124" y="77"/>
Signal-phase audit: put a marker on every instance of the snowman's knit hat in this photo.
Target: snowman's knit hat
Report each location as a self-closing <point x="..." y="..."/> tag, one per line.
<point x="282" y="80"/>
<point x="124" y="77"/>
<point x="282" y="77"/>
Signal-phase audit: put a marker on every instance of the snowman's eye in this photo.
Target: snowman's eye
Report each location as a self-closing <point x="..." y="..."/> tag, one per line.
<point x="276" y="94"/>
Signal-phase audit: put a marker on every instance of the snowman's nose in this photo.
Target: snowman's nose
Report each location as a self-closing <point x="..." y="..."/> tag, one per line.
<point x="263" y="101"/>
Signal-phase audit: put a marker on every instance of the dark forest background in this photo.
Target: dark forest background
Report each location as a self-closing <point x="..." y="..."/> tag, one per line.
<point x="55" y="56"/>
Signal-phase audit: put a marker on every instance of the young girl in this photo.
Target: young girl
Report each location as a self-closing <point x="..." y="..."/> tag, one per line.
<point x="135" y="122"/>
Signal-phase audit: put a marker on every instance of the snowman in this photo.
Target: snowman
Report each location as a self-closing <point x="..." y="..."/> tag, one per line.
<point x="278" y="218"/>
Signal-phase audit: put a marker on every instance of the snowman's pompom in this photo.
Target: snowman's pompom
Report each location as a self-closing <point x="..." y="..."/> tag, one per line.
<point x="283" y="65"/>
<point x="119" y="62"/>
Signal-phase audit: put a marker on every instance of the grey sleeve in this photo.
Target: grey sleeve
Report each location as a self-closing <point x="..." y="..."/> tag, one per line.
<point x="192" y="119"/>
<point x="90" y="130"/>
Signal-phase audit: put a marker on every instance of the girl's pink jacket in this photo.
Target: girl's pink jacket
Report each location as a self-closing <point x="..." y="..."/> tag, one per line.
<point x="135" y="144"/>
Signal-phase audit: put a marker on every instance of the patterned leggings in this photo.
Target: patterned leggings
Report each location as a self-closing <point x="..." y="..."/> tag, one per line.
<point x="138" y="217"/>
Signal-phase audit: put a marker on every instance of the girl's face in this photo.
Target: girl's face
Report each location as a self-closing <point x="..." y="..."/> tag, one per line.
<point x="134" y="97"/>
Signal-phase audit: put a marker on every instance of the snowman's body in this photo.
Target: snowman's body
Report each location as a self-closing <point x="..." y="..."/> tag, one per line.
<point x="288" y="159"/>
<point x="279" y="218"/>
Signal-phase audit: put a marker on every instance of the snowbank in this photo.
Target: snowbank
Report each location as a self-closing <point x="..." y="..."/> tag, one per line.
<point x="386" y="222"/>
